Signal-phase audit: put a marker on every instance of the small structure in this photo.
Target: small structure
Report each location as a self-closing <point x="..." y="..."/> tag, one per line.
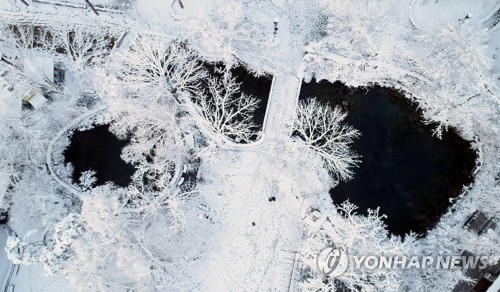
<point x="59" y="75"/>
<point x="22" y="95"/>
<point x="33" y="99"/>
<point x="478" y="223"/>
<point x="483" y="278"/>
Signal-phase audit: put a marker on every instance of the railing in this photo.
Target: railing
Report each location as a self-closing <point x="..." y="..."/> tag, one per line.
<point x="493" y="20"/>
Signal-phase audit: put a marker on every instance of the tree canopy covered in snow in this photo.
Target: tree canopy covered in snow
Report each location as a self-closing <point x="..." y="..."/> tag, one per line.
<point x="210" y="207"/>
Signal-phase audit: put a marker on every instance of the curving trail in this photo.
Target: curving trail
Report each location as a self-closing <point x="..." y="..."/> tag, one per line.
<point x="70" y="188"/>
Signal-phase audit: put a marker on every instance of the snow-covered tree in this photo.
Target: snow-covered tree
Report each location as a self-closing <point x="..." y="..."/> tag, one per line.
<point x="294" y="171"/>
<point x="229" y="112"/>
<point x="217" y="31"/>
<point x="145" y="89"/>
<point x="321" y="129"/>
<point x="82" y="47"/>
<point x="58" y="250"/>
<point x="23" y="250"/>
<point x="359" y="235"/>
<point x="452" y="105"/>
<point x="456" y="54"/>
<point x="456" y="58"/>
<point x="93" y="247"/>
<point x="111" y="244"/>
<point x="155" y="66"/>
<point x="20" y="38"/>
<point x="28" y="45"/>
<point x="365" y="29"/>
<point x="432" y="278"/>
<point x="87" y="179"/>
<point x="79" y="48"/>
<point x="157" y="137"/>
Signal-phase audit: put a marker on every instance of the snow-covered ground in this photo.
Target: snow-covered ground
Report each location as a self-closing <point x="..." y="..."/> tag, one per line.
<point x="244" y="231"/>
<point x="4" y="262"/>
<point x="494" y="50"/>
<point x="34" y="278"/>
<point x="429" y="14"/>
<point x="253" y="233"/>
<point x="8" y="4"/>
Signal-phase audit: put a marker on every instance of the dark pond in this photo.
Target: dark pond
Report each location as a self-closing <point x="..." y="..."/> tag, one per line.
<point x="405" y="171"/>
<point x="99" y="150"/>
<point x="258" y="87"/>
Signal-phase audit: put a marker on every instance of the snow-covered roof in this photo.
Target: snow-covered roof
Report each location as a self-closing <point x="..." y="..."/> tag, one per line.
<point x="37" y="100"/>
<point x="39" y="69"/>
<point x="34" y="98"/>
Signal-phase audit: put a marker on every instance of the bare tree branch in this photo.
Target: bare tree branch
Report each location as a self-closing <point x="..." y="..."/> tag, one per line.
<point x="321" y="130"/>
<point x="228" y="112"/>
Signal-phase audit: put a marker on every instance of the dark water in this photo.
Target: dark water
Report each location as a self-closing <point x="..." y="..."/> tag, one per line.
<point x="99" y="150"/>
<point x="405" y="171"/>
<point x="258" y="87"/>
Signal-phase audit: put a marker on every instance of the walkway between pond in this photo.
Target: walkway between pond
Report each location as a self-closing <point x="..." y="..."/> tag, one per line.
<point x="281" y="106"/>
<point x="280" y="113"/>
<point x="269" y="246"/>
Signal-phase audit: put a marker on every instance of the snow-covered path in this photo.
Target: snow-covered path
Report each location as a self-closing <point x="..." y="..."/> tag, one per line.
<point x="252" y="252"/>
<point x="258" y="250"/>
<point x="281" y="107"/>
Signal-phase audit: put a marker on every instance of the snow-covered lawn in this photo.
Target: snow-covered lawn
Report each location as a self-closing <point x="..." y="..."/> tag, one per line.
<point x="8" y="4"/>
<point x="34" y="278"/>
<point x="431" y="14"/>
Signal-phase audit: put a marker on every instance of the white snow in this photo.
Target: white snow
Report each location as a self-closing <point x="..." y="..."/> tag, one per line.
<point x="234" y="237"/>
<point x="34" y="278"/>
<point x="430" y="14"/>
<point x="243" y="256"/>
<point x="5" y="264"/>
<point x="279" y="3"/>
<point x="39" y="69"/>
